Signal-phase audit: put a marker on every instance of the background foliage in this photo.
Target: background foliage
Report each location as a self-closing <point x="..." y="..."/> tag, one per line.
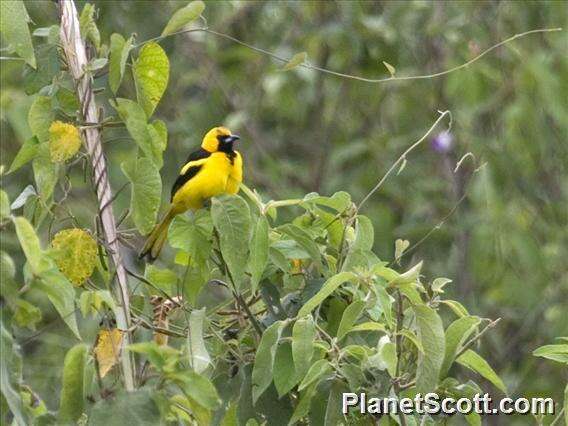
<point x="498" y="227"/>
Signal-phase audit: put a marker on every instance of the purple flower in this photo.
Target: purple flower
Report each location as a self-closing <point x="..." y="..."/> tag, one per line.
<point x="442" y="142"/>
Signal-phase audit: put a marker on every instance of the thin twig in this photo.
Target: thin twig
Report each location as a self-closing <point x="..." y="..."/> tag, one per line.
<point x="403" y="157"/>
<point x="355" y="77"/>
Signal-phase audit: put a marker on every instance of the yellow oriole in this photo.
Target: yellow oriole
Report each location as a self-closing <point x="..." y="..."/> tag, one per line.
<point x="216" y="168"/>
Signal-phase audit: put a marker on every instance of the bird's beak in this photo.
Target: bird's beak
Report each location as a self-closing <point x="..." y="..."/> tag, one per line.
<point x="233" y="138"/>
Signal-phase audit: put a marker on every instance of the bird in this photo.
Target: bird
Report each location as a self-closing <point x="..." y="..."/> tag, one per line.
<point x="214" y="169"/>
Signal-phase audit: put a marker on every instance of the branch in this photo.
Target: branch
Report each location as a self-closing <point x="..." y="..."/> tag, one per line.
<point x="356" y="77"/>
<point x="403" y="157"/>
<point x="76" y="57"/>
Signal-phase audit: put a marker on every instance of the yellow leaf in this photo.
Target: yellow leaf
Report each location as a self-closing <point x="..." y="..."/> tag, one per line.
<point x="75" y="254"/>
<point x="390" y="68"/>
<point x="107" y="349"/>
<point x="296" y="60"/>
<point x="64" y="141"/>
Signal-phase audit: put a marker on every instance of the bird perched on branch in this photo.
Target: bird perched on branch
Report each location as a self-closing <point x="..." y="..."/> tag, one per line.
<point x="214" y="169"/>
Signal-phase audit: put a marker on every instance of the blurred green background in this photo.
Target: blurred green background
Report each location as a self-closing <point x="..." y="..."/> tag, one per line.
<point x="498" y="227"/>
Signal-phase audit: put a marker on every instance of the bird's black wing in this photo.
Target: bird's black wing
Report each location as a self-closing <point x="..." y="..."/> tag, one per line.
<point x="191" y="171"/>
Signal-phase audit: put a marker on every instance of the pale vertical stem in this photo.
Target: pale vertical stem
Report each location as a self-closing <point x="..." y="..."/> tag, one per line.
<point x="76" y="56"/>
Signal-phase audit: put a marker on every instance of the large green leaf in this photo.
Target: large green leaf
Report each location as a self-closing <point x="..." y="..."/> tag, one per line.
<point x="61" y="294"/>
<point x="475" y="362"/>
<point x="198" y="388"/>
<point x="303" y="336"/>
<point x="285" y="375"/>
<point x="329" y="287"/>
<point x="14" y="27"/>
<point x="136" y="123"/>
<point x="184" y="16"/>
<point x="26" y="153"/>
<point x="318" y="370"/>
<point x="258" y="251"/>
<point x="45" y="172"/>
<point x="30" y="244"/>
<point x="304" y="239"/>
<point x="72" y="399"/>
<point x="40" y="117"/>
<point x="264" y="359"/>
<point x="10" y="376"/>
<point x="198" y="356"/>
<point x="47" y="68"/>
<point x="146" y="190"/>
<point x="350" y="315"/>
<point x="456" y="335"/>
<point x="151" y="73"/>
<point x="163" y="278"/>
<point x="192" y="234"/>
<point x="231" y="217"/>
<point x="431" y="335"/>
<point x="557" y="352"/>
<point x="138" y="407"/>
<point x="119" y="51"/>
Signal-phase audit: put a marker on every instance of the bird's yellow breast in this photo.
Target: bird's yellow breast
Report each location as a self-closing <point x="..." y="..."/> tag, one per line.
<point x="218" y="175"/>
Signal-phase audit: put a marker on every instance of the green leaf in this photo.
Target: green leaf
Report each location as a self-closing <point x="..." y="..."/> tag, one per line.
<point x="119" y="51"/>
<point x="137" y="406"/>
<point x="193" y="235"/>
<point x="328" y="288"/>
<point x="184" y="16"/>
<point x="40" y="117"/>
<point x="136" y="123"/>
<point x="4" y="205"/>
<point x="47" y="68"/>
<point x="350" y="316"/>
<point x="439" y="283"/>
<point x="475" y="362"/>
<point x="315" y="373"/>
<point x="26" y="153"/>
<point x="304" y="239"/>
<point x="456" y="307"/>
<point x="72" y="398"/>
<point x="303" y="406"/>
<point x="412" y="337"/>
<point x="285" y="375"/>
<point x="26" y="314"/>
<point x="258" y="252"/>
<point x="146" y="192"/>
<point x="61" y="294"/>
<point x="431" y="335"/>
<point x="91" y="302"/>
<point x="303" y="336"/>
<point x="554" y="352"/>
<point x="264" y="359"/>
<point x="159" y="133"/>
<point x="163" y="278"/>
<point x="11" y="376"/>
<point x="231" y="217"/>
<point x="151" y="73"/>
<point x="399" y="248"/>
<point x="45" y="172"/>
<point x="199" y="358"/>
<point x="198" y="388"/>
<point x="296" y="60"/>
<point x="456" y="335"/>
<point x="159" y="356"/>
<point x="385" y="302"/>
<point x="88" y="27"/>
<point x="390" y="68"/>
<point x="14" y="27"/>
<point x="30" y="244"/>
<point x="368" y="326"/>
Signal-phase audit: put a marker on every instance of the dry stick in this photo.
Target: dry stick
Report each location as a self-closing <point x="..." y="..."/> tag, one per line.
<point x="76" y="56"/>
<point x="398" y="339"/>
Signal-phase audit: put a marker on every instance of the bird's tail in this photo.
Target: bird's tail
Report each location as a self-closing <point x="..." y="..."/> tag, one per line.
<point x="157" y="238"/>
